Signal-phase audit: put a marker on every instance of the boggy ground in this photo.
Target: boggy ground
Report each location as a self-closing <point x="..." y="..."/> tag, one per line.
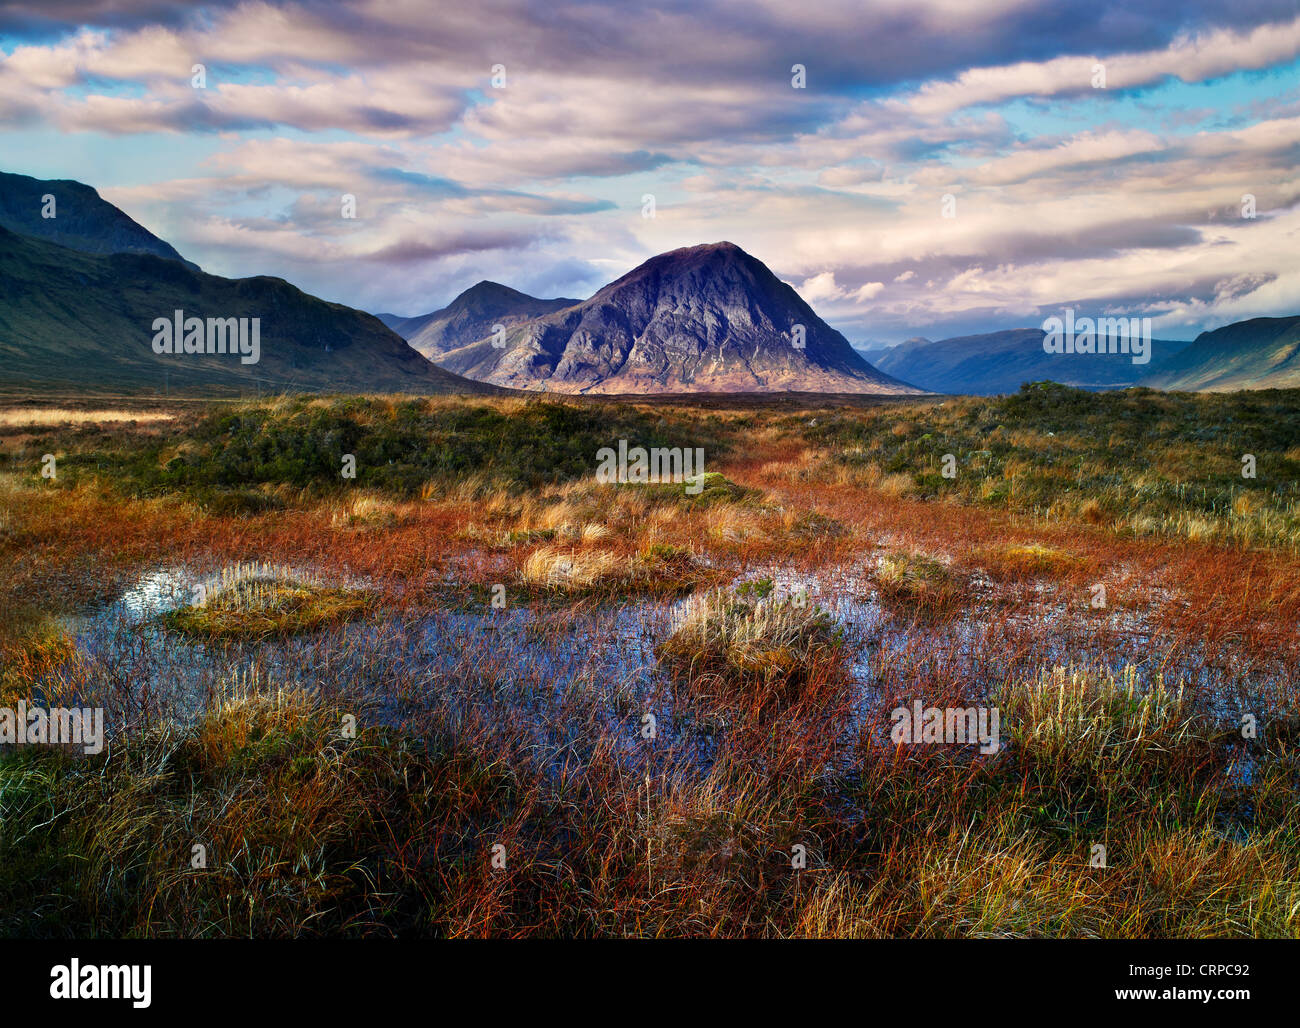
<point x="473" y="691"/>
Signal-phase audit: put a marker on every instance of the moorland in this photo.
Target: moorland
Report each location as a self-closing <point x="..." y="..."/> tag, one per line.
<point x="470" y="690"/>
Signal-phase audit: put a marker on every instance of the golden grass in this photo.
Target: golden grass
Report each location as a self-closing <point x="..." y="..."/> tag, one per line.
<point x="728" y="523"/>
<point x="253" y="605"/>
<point x="916" y="578"/>
<point x="654" y="568"/>
<point x="741" y="641"/>
<point x="1029" y="560"/>
<point x="365" y="511"/>
<point x="569" y="570"/>
<point x="33" y="648"/>
<point x="45" y="417"/>
<point x="1076" y="717"/>
<point x="594" y="532"/>
<point x="897" y="485"/>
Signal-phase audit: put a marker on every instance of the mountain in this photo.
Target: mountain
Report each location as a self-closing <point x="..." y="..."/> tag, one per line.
<point x="701" y="319"/>
<point x="79" y="320"/>
<point x="999" y="362"/>
<point x="471" y="316"/>
<point x="873" y="352"/>
<point x="82" y="220"/>
<point x="1262" y="353"/>
<point x="397" y="322"/>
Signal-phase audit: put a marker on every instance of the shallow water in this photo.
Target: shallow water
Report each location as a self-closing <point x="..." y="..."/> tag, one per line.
<point x="571" y="683"/>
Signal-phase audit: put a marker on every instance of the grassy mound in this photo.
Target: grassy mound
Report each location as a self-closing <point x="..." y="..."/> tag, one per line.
<point x="1085" y="723"/>
<point x="656" y="569"/>
<point x="916" y="579"/>
<point x="258" y="605"/>
<point x="747" y="639"/>
<point x="709" y="489"/>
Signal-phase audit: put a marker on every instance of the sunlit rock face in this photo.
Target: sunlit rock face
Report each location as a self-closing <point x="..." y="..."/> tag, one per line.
<point x="702" y="319"/>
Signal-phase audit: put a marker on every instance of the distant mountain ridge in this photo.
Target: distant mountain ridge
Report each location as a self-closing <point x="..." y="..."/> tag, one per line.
<point x="72" y="320"/>
<point x="83" y="220"/>
<point x="1261" y="353"/>
<point x="1000" y="362"/>
<point x="472" y="315"/>
<point x="77" y="313"/>
<point x="80" y="290"/>
<point x="707" y="318"/>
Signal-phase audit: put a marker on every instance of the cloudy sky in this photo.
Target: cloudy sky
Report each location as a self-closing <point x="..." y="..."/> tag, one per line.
<point x="1123" y="199"/>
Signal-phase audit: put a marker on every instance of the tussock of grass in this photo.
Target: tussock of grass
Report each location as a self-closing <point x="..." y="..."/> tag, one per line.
<point x="1079" y="719"/>
<point x="709" y="489"/>
<point x="594" y="532"/>
<point x="744" y="640"/>
<point x="1027" y="561"/>
<point x="736" y="524"/>
<point x="365" y="512"/>
<point x="914" y="578"/>
<point x="259" y="605"/>
<point x="569" y="570"/>
<point x="655" y="569"/>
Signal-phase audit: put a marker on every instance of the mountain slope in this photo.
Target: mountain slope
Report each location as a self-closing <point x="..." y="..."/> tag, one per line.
<point x="874" y="353"/>
<point x="82" y="220"/>
<point x="399" y="323"/>
<point x="999" y="362"/>
<point x="1262" y="353"/>
<point x="701" y="319"/>
<point x="78" y="320"/>
<point x="472" y="316"/>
